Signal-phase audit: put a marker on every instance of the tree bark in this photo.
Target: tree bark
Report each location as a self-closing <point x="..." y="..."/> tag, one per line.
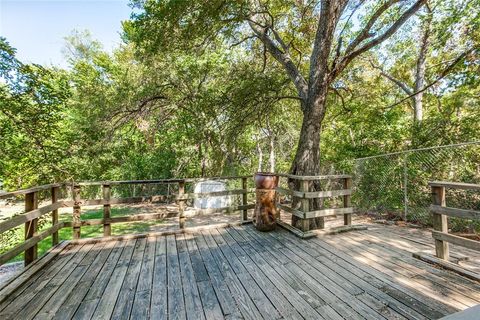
<point x="313" y="93"/>
<point x="307" y="157"/>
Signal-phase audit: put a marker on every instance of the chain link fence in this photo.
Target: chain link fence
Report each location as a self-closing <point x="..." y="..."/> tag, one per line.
<point x="396" y="184"/>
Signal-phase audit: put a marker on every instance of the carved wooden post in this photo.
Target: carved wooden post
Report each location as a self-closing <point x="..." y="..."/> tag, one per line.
<point x="440" y="222"/>
<point x="76" y="212"/>
<point x="107" y="229"/>
<point x="55" y="193"/>
<point x="347" y="185"/>
<point x="181" y="204"/>
<point x="305" y="205"/>
<point x="31" y="203"/>
<point x="244" y="198"/>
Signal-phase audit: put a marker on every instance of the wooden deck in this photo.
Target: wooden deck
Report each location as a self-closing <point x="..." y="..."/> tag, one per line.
<point x="239" y="272"/>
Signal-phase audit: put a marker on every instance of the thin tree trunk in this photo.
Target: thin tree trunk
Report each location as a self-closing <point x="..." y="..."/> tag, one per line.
<point x="260" y="157"/>
<point x="271" y="137"/>
<point x="272" y="153"/>
<point x="420" y="69"/>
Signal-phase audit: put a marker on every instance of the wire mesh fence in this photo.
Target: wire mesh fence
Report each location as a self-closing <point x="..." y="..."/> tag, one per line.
<point x="396" y="184"/>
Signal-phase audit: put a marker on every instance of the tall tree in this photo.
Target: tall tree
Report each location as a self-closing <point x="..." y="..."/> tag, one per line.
<point x="302" y="36"/>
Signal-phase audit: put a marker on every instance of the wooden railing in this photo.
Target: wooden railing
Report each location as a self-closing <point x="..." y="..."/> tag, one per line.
<point x="33" y="213"/>
<point x="30" y="220"/>
<point x="304" y="194"/>
<point x="441" y="211"/>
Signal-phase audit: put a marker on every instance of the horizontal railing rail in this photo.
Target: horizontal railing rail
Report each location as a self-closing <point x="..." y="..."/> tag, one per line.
<point x="32" y="212"/>
<point x="304" y="194"/>
<point x="30" y="218"/>
<point x="30" y="221"/>
<point x="440" y="212"/>
<point x="10" y="194"/>
<point x="312" y="178"/>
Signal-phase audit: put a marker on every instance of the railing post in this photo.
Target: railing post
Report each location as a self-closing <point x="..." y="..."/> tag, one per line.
<point x="55" y="193"/>
<point x="305" y="205"/>
<point x="181" y="204"/>
<point x="107" y="229"/>
<point x="244" y="199"/>
<point x="347" y="185"/>
<point x="440" y="222"/>
<point x="76" y="223"/>
<point x="31" y="203"/>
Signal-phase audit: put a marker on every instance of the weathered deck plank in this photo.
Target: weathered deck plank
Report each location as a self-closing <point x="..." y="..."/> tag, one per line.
<point x="237" y="273"/>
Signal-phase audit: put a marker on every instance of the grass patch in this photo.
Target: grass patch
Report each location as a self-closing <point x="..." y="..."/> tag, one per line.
<point x="92" y="231"/>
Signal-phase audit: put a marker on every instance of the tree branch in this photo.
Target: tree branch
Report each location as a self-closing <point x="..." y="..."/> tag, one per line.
<point x="365" y="33"/>
<point x="402" y="85"/>
<point x="349" y="56"/>
<point x="444" y="73"/>
<point x="281" y="56"/>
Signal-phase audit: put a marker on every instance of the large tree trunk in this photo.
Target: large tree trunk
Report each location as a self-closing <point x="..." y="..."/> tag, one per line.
<point x="307" y="158"/>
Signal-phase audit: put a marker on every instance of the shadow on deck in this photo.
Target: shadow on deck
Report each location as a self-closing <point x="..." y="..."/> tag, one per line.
<point x="238" y="272"/>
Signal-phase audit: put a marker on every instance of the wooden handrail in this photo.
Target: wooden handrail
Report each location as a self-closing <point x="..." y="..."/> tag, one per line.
<point x="33" y="213"/>
<point x="454" y="185"/>
<point x="304" y="195"/>
<point x="311" y="178"/>
<point x="15" y="221"/>
<point x="10" y="194"/>
<point x="155" y="181"/>
<point x="440" y="212"/>
<point x="29" y="243"/>
<point x="315" y="194"/>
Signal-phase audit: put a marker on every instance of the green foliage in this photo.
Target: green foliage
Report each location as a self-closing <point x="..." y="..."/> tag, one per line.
<point x="190" y="92"/>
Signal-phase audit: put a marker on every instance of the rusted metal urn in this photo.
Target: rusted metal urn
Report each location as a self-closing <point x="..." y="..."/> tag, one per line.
<point x="265" y="210"/>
